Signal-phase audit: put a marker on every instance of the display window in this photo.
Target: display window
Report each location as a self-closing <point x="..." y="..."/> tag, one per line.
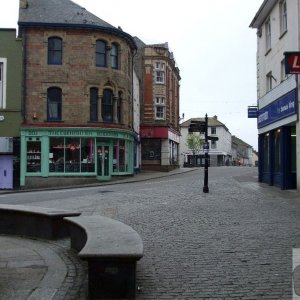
<point x="33" y="156"/>
<point x="71" y="155"/>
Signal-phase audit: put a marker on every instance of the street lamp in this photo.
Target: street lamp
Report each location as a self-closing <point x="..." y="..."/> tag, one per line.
<point x="206" y="149"/>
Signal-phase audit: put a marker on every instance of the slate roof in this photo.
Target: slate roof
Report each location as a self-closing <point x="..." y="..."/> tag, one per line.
<point x="66" y="13"/>
<point x="212" y="122"/>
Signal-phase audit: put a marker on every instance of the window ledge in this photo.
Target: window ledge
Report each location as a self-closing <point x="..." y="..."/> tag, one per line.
<point x="268" y="51"/>
<point x="283" y="34"/>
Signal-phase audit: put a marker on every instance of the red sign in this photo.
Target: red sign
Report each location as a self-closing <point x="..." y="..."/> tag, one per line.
<point x="292" y="62"/>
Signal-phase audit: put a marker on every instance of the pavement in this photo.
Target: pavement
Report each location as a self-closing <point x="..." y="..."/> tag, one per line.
<point x="243" y="252"/>
<point x="35" y="269"/>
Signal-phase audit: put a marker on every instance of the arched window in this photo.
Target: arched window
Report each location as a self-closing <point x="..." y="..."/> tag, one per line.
<point x="114" y="61"/>
<point x="93" y="104"/>
<point x="101" y="54"/>
<point x="54" y="104"/>
<point x="107" y="106"/>
<point x="55" y="51"/>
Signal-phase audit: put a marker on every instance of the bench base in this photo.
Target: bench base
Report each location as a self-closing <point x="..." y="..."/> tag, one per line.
<point x="111" y="279"/>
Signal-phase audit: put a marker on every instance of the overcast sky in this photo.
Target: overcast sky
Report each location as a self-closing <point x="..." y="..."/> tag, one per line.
<point x="213" y="46"/>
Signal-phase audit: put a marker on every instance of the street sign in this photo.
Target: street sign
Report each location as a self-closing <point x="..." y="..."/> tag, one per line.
<point x="252" y="111"/>
<point x="292" y="62"/>
<point x="213" y="138"/>
<point x="197" y="126"/>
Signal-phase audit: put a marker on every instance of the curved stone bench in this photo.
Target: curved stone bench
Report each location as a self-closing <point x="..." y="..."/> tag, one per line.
<point x="111" y="249"/>
<point x="34" y="221"/>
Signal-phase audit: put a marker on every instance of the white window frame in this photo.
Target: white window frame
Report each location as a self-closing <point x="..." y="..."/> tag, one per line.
<point x="160" y="104"/>
<point x="159" y="72"/>
<point x="283" y="17"/>
<point x="269" y="83"/>
<point x="213" y="130"/>
<point x="268" y="34"/>
<point x="3" y="70"/>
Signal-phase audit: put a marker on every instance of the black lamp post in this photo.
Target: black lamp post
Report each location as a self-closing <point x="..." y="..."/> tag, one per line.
<point x="206" y="148"/>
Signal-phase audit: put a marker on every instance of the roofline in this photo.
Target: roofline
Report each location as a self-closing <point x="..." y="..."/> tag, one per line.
<point x="114" y="31"/>
<point x="262" y="13"/>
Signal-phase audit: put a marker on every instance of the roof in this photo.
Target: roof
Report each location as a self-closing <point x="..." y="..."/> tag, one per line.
<point x="238" y="141"/>
<point x="262" y="13"/>
<point x="65" y="13"/>
<point x="212" y="122"/>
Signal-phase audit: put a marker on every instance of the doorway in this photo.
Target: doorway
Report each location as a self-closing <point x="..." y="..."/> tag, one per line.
<point x="104" y="158"/>
<point x="6" y="172"/>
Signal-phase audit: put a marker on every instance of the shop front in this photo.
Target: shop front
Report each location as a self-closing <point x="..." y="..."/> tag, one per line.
<point x="159" y="148"/>
<point x="84" y="152"/>
<point x="277" y="138"/>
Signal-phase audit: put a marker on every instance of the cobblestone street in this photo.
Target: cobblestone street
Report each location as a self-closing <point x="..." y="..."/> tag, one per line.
<point x="234" y="242"/>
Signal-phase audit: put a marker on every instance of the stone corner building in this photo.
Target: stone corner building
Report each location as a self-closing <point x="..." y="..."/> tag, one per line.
<point x="160" y="85"/>
<point x="77" y="95"/>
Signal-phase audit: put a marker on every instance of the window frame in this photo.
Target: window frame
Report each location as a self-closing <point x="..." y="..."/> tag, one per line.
<point x="269" y="84"/>
<point x="3" y="78"/>
<point x="159" y="72"/>
<point x="114" y="56"/>
<point x="160" y="108"/>
<point x="57" y="100"/>
<point x="268" y="35"/>
<point x="101" y="54"/>
<point x="55" y="55"/>
<point x="283" y="16"/>
<point x="94" y="104"/>
<point x="107" y="107"/>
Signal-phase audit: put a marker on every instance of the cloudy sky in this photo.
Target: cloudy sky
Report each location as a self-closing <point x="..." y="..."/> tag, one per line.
<point x="212" y="43"/>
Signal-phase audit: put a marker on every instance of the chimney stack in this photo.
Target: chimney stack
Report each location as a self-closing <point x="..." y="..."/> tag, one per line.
<point x="23" y="4"/>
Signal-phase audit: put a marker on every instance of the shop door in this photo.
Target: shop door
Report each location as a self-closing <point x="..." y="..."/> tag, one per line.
<point x="104" y="162"/>
<point x="6" y="172"/>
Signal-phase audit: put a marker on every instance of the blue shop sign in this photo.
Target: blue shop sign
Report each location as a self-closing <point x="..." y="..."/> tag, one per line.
<point x="283" y="107"/>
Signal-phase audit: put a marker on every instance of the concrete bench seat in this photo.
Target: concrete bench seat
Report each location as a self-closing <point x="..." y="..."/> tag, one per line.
<point x="34" y="221"/>
<point x="111" y="249"/>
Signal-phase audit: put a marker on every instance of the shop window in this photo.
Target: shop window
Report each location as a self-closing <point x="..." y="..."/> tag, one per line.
<point x="277" y="162"/>
<point x="33" y="156"/>
<point x="93" y="104"/>
<point x="114" y="60"/>
<point x="151" y="149"/>
<point x="55" y="51"/>
<point x="266" y="153"/>
<point x="122" y="156"/>
<point x="54" y="104"/>
<point x="72" y="155"/>
<point x="101" y="54"/>
<point x="107" y="106"/>
<point x="57" y="155"/>
<point x="87" y="155"/>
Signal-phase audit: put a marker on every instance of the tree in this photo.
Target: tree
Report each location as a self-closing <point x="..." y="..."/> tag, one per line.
<point x="194" y="142"/>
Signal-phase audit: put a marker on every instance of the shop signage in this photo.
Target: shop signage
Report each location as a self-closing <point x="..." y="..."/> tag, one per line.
<point x="281" y="108"/>
<point x="252" y="112"/>
<point x="292" y="62"/>
<point x="78" y="133"/>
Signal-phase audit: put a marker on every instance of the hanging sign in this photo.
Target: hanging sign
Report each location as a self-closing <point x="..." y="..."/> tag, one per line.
<point x="292" y="62"/>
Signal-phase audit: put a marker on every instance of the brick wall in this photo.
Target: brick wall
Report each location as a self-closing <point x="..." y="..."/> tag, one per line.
<point x="75" y="76"/>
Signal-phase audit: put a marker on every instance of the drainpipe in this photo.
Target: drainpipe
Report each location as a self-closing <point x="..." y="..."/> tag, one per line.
<point x="132" y="104"/>
<point x="24" y="89"/>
